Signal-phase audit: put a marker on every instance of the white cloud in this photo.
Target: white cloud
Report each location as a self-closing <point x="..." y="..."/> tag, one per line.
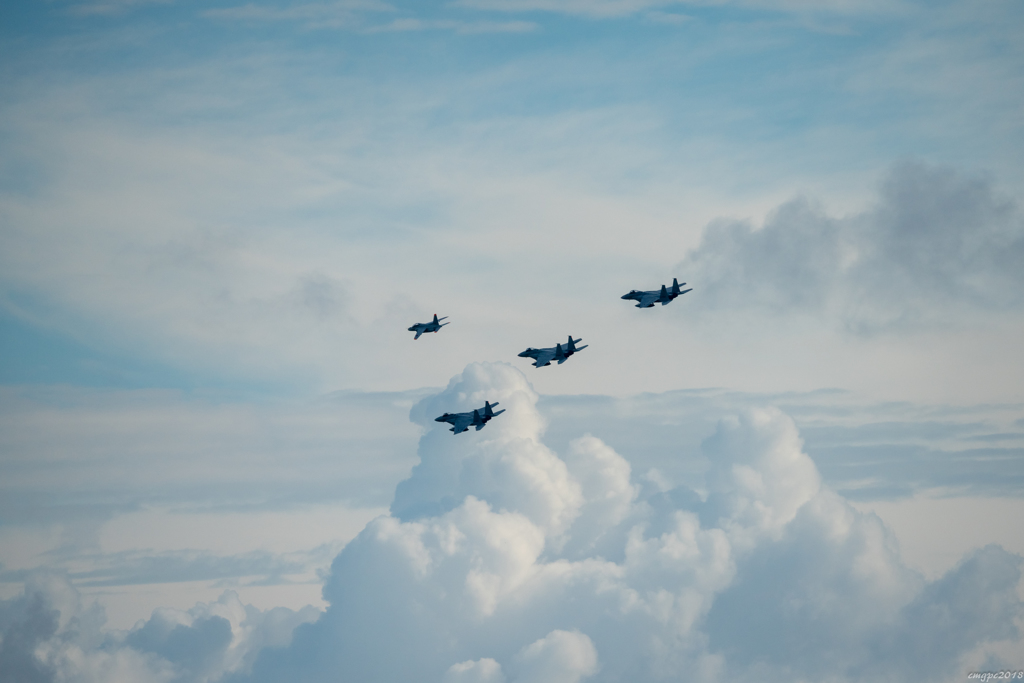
<point x="503" y="562"/>
<point x="620" y="8"/>
<point x="608" y="497"/>
<point x="115" y="487"/>
<point x="467" y="27"/>
<point x="312" y="14"/>
<point x="112" y="7"/>
<point x="480" y="671"/>
<point x="759" y="476"/>
<point x="47" y="634"/>
<point x="509" y="467"/>
<point x="937" y="529"/>
<point x="771" y="559"/>
<point x="936" y="241"/>
<point x="591" y="8"/>
<point x="558" y="657"/>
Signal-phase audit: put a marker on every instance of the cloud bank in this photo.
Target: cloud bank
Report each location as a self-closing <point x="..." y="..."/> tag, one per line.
<point x="934" y="240"/>
<point x="49" y="635"/>
<point x="502" y="562"/>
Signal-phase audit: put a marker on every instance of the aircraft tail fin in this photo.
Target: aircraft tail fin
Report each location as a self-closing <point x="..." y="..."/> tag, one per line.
<point x="489" y="411"/>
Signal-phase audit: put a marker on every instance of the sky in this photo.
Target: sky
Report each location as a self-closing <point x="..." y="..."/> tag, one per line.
<point x="218" y="458"/>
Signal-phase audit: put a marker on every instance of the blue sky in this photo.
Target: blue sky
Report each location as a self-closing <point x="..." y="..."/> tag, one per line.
<point x="218" y="220"/>
<point x="254" y="156"/>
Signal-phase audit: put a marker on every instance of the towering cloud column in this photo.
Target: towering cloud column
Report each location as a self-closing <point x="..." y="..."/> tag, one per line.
<point x="502" y="562"/>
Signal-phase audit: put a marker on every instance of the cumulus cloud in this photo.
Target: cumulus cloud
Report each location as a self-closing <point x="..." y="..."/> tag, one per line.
<point x="482" y="671"/>
<point x="48" y="635"/>
<point x="501" y="562"/>
<point x="27" y="621"/>
<point x="935" y="240"/>
<point x="508" y="466"/>
<point x="559" y="657"/>
<point x="477" y="575"/>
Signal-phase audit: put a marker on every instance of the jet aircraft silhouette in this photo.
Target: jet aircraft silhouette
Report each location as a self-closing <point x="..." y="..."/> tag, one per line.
<point x="477" y="418"/>
<point x="662" y="296"/>
<point x="420" y="328"/>
<point x="544" y="357"/>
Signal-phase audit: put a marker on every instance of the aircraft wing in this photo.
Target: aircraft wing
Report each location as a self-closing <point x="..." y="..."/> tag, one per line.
<point x="544" y="356"/>
<point x="461" y="422"/>
<point x="419" y="331"/>
<point x="648" y="299"/>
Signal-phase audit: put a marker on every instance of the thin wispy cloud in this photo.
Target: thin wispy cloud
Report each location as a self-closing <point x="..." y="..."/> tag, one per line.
<point x="113" y="8"/>
<point x="312" y="15"/>
<point x="624" y="8"/>
<point x="590" y="8"/>
<point x="465" y="27"/>
<point x="671" y="18"/>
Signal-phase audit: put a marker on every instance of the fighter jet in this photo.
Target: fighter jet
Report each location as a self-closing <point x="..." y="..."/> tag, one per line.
<point x="420" y="328"/>
<point x="544" y="357"/>
<point x="664" y="296"/>
<point x="478" y="418"/>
